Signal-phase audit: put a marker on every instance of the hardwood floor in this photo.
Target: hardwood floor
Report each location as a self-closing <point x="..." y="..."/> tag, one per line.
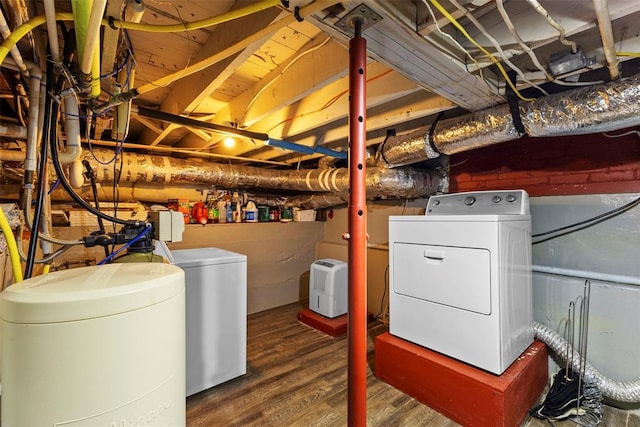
<point x="296" y="376"/>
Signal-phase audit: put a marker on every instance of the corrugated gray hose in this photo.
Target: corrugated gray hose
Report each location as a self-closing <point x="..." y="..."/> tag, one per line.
<point x="622" y="391"/>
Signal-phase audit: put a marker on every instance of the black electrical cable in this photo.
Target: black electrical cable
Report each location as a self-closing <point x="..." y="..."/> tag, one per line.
<point x="384" y="292"/>
<point x="585" y="223"/>
<point x="68" y="53"/>
<point x="65" y="184"/>
<point x="76" y="198"/>
<point x="94" y="188"/>
<point x="42" y="175"/>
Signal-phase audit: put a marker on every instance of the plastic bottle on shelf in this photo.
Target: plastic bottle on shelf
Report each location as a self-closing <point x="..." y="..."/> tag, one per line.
<point x="229" y="212"/>
<point x="222" y="212"/>
<point x="252" y="212"/>
<point x="237" y="214"/>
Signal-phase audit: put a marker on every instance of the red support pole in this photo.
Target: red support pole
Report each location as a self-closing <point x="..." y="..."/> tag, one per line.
<point x="357" y="312"/>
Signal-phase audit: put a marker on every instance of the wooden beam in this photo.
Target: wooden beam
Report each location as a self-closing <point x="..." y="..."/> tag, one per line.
<point x="325" y="105"/>
<point x="187" y="93"/>
<point x="303" y="74"/>
<point x="148" y="123"/>
<point x="393" y="114"/>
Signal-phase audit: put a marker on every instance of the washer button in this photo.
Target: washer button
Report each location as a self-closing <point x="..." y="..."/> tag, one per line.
<point x="496" y="199"/>
<point x="510" y="198"/>
<point x="469" y="200"/>
<point x="436" y="202"/>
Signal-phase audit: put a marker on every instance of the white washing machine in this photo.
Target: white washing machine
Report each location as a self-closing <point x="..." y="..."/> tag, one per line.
<point x="216" y="315"/>
<point x="460" y="277"/>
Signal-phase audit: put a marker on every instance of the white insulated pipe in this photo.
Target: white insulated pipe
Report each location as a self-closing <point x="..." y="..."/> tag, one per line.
<point x="52" y="30"/>
<point x="601" y="8"/>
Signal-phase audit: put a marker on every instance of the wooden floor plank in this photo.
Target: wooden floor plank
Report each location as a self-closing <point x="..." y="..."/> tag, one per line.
<point x="297" y="376"/>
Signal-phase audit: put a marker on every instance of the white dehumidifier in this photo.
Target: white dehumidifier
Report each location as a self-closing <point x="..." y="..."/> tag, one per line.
<point x="328" y="287"/>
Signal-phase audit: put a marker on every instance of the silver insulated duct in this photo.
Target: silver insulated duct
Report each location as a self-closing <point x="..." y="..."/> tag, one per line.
<point x="381" y="181"/>
<point x="590" y="109"/>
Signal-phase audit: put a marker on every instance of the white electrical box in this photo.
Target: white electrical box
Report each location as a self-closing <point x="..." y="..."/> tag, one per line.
<point x="168" y="225"/>
<point x="328" y="287"/>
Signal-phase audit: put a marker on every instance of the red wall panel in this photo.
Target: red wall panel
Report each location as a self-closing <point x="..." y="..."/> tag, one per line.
<point x="585" y="164"/>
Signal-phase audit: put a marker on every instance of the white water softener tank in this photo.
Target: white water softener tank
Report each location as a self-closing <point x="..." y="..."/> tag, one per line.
<point x="95" y="346"/>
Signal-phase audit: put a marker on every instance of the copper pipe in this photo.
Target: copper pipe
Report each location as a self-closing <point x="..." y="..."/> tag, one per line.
<point x="357" y="235"/>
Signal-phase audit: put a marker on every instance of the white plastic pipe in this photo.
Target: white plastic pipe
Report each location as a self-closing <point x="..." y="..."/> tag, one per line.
<point x="93" y="35"/>
<point x="13" y="131"/>
<point x="591" y="275"/>
<point x="72" y="149"/>
<point x="5" y="31"/>
<point x="601" y="8"/>
<point x="52" y="30"/>
<point x="134" y="10"/>
<point x="76" y="174"/>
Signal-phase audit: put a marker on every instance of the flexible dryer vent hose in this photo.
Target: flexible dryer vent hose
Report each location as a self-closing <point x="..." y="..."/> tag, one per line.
<point x="621" y="391"/>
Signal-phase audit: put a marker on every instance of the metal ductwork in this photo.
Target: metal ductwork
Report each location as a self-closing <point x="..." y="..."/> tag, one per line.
<point x="381" y="181"/>
<point x="590" y="109"/>
<point x="323" y="187"/>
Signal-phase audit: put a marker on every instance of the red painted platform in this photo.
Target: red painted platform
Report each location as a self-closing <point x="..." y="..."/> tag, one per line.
<point x="467" y="395"/>
<point x="334" y="327"/>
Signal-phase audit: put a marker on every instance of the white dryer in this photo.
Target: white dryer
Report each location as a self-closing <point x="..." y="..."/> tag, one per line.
<point x="460" y="277"/>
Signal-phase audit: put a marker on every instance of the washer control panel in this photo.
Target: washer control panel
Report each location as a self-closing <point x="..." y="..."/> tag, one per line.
<point x="498" y="202"/>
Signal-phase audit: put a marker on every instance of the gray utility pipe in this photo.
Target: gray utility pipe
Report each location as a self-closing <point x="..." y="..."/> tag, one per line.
<point x="381" y="181"/>
<point x="591" y="109"/>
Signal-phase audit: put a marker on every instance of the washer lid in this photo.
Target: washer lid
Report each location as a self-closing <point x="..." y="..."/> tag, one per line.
<point x="90" y="292"/>
<point x="205" y="256"/>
